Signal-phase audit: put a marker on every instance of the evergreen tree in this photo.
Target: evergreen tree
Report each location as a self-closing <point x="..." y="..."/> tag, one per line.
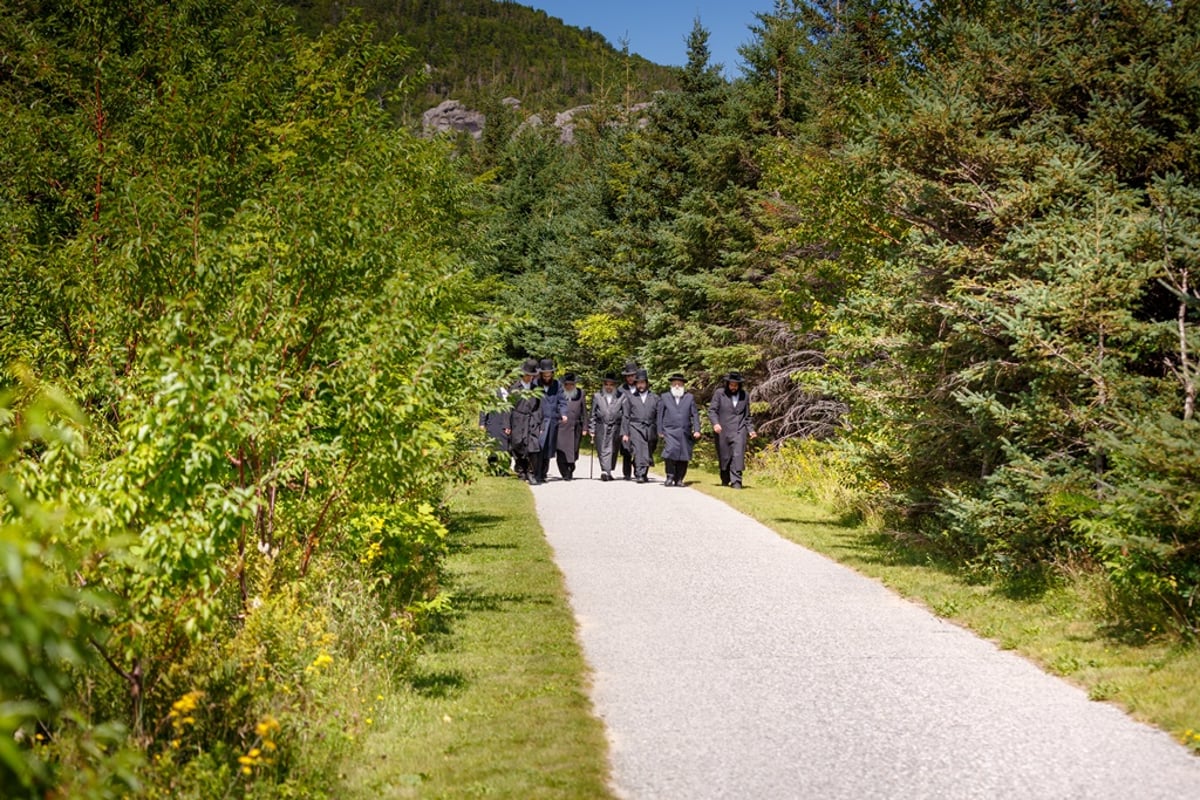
<point x="1020" y="321"/>
<point x="681" y="231"/>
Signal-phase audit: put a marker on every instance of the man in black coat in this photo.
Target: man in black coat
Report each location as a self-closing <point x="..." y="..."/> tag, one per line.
<point x="553" y="410"/>
<point x="608" y="410"/>
<point x="729" y="413"/>
<point x="640" y="426"/>
<point x="678" y="427"/>
<point x="628" y="388"/>
<point x="570" y="427"/>
<point x="525" y="422"/>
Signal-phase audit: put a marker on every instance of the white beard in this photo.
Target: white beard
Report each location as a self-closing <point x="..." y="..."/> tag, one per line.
<point x="677" y="391"/>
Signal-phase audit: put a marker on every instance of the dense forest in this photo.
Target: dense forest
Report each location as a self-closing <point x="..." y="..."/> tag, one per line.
<point x="954" y="243"/>
<point x="248" y="320"/>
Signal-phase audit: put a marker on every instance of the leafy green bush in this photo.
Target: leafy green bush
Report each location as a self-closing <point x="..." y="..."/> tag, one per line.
<point x="262" y="310"/>
<point x="45" y="632"/>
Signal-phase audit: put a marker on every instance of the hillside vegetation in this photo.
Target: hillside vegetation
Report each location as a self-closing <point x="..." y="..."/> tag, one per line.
<point x="479" y="51"/>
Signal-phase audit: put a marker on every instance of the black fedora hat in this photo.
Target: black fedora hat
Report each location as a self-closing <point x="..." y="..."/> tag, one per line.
<point x="641" y="375"/>
<point x="677" y="376"/>
<point x="631" y="368"/>
<point x="530" y="367"/>
<point x="611" y="377"/>
<point x="734" y="377"/>
<point x="547" y="365"/>
<point x="570" y="377"/>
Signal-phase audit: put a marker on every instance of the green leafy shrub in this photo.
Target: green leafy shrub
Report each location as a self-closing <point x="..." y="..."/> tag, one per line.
<point x="262" y="310"/>
<point x="401" y="548"/>
<point x="45" y="633"/>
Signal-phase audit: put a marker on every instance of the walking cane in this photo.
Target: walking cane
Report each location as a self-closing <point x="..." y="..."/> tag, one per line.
<point x="591" y="464"/>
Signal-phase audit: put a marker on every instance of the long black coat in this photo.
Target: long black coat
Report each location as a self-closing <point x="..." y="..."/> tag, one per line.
<point x="736" y="427"/>
<point x="628" y="390"/>
<point x="569" y="432"/>
<point x="677" y="421"/>
<point x="554" y="406"/>
<point x="640" y="424"/>
<point x="526" y="421"/>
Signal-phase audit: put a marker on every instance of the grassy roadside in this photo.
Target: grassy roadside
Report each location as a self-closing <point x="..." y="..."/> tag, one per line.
<point x="496" y="706"/>
<point x="1061" y="629"/>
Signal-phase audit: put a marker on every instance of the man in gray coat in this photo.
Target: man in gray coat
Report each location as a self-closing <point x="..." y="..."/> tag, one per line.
<point x="678" y="427"/>
<point x="729" y="413"/>
<point x="608" y="411"/>
<point x="640" y="426"/>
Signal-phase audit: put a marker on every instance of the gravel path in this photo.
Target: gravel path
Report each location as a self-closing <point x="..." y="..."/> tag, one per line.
<point x="730" y="663"/>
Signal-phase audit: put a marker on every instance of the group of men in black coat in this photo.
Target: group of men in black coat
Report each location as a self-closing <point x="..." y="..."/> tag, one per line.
<point x="543" y="416"/>
<point x="627" y="419"/>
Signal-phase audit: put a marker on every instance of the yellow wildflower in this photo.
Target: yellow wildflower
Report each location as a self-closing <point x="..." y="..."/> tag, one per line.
<point x="266" y="726"/>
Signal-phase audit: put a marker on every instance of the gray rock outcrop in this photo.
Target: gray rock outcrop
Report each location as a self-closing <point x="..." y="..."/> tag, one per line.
<point x="452" y="115"/>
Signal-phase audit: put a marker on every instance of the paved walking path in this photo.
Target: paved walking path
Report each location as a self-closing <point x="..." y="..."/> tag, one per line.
<point x="731" y="663"/>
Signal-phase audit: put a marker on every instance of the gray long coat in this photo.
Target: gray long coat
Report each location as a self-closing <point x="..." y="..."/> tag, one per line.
<point x="496" y="420"/>
<point x="736" y="427"/>
<point x="605" y="427"/>
<point x="640" y="424"/>
<point x="677" y="421"/>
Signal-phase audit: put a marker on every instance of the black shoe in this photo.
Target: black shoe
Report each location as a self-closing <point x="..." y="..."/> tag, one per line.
<point x="669" y="482"/>
<point x="735" y="486"/>
<point x="604" y="476"/>
<point x="642" y="479"/>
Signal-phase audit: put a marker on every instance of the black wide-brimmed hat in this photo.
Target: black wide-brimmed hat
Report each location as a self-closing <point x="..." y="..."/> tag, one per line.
<point x="547" y="365"/>
<point x="530" y="367"/>
<point x="641" y="375"/>
<point x="631" y="368"/>
<point x="676" y="376"/>
<point x="734" y="377"/>
<point x="570" y="377"/>
<point x="611" y="377"/>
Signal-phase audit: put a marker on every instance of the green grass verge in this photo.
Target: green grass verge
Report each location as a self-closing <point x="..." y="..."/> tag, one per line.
<point x="1061" y="627"/>
<point x="497" y="704"/>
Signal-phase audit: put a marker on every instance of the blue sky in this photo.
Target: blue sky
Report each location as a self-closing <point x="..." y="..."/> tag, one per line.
<point x="658" y="29"/>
